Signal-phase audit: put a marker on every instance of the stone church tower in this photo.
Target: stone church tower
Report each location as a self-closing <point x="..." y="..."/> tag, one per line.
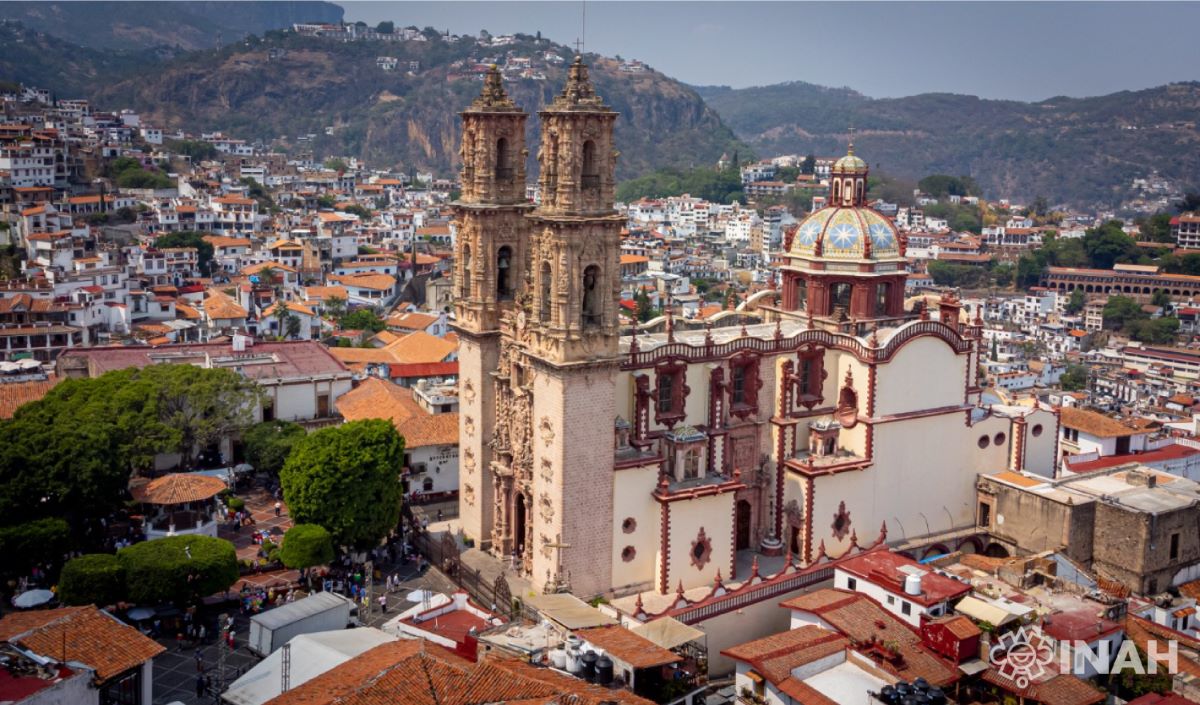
<point x="490" y="258"/>
<point x="537" y="314"/>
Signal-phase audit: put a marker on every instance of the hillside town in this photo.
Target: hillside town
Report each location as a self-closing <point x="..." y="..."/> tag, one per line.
<point x="533" y="444"/>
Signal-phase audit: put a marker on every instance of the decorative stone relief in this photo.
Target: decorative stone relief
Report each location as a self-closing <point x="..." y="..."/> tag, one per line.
<point x="546" y="507"/>
<point x="547" y="431"/>
<point x="469" y="426"/>
<point x="468" y="391"/>
<point x="841" y="522"/>
<point x="701" y="552"/>
<point x="468" y="493"/>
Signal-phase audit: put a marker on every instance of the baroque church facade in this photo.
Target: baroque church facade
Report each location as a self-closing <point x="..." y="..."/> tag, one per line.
<point x="611" y="463"/>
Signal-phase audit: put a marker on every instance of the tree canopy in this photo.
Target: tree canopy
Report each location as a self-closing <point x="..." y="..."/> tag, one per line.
<point x="269" y="443"/>
<point x="92" y="579"/>
<point x="724" y="186"/>
<point x="347" y="479"/>
<point x="1074" y="378"/>
<point x="179" y="569"/>
<point x="942" y="185"/>
<point x="305" y="546"/>
<point x="70" y="454"/>
<point x="362" y="319"/>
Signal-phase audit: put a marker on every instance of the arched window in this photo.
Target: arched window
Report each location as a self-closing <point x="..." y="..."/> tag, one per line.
<point x="547" y="282"/>
<point x="691" y="463"/>
<point x="504" y="273"/>
<point x="883" y="292"/>
<point x="858" y="191"/>
<point x="591" y="169"/>
<point x="665" y="398"/>
<point x="801" y="294"/>
<point x="504" y="171"/>
<point x="427" y="484"/>
<point x="837" y="191"/>
<point x="465" y="284"/>
<point x="840" y="296"/>
<point x="592" y="313"/>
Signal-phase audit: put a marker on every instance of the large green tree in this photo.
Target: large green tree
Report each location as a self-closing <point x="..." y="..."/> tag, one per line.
<point x="347" y="479"/>
<point x="1108" y="244"/>
<point x="92" y="579"/>
<point x="70" y="454"/>
<point x="1074" y="379"/>
<point x="178" y="569"/>
<point x="269" y="443"/>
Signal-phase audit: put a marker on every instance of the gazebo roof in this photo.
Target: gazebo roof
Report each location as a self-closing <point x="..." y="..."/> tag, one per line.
<point x="178" y="488"/>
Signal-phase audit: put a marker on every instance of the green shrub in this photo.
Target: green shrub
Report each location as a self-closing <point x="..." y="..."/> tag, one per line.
<point x="236" y="503"/>
<point x="34" y="542"/>
<point x="95" y="578"/>
<point x="306" y="545"/>
<point x="163" y="571"/>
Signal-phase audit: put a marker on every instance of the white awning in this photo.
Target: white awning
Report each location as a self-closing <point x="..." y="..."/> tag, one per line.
<point x="667" y="632"/>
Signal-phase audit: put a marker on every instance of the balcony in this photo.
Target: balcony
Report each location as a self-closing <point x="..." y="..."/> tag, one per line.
<point x="590" y="181"/>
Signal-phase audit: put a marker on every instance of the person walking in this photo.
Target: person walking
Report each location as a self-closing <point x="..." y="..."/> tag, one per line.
<point x="383" y="603"/>
<point x="278" y="507"/>
<point x="199" y="686"/>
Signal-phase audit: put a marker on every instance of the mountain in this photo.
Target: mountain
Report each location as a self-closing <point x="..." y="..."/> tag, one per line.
<point x="182" y="25"/>
<point x="283" y="86"/>
<point x="1082" y="151"/>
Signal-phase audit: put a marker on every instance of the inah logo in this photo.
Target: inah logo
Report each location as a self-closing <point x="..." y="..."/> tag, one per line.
<point x="1028" y="655"/>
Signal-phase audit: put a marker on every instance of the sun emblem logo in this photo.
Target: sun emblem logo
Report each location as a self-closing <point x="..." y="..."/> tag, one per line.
<point x="1022" y="655"/>
<point x="881" y="235"/>
<point x="843" y="236"/>
<point x="808" y="233"/>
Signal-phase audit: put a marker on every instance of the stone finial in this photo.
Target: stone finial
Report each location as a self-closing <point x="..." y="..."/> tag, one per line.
<point x="633" y="342"/>
<point x="821" y="550"/>
<point x="810" y="318"/>
<point x="493" y="95"/>
<point x="639" y="608"/>
<point x="883" y="531"/>
<point x="754" y="567"/>
<point x="717" y="582"/>
<point x="670" y="323"/>
<point x="679" y="590"/>
<point x="708" y="337"/>
<point x="578" y="90"/>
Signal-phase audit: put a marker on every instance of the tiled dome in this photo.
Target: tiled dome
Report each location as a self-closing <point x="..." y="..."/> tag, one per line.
<point x="855" y="232"/>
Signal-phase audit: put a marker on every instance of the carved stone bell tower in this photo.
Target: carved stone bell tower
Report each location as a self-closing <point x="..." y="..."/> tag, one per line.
<point x="575" y="239"/>
<point x="570" y="340"/>
<point x="490" y="261"/>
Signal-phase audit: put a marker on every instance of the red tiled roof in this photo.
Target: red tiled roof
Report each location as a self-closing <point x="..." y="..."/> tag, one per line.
<point x="13" y="395"/>
<point x="378" y="399"/>
<point x="864" y="621"/>
<point x="178" y="488"/>
<point x="83" y="634"/>
<point x="408" y="370"/>
<point x="1174" y="451"/>
<point x="887" y="569"/>
<point x="633" y="649"/>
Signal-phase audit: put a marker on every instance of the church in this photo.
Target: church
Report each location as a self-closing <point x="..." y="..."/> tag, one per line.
<point x="608" y="460"/>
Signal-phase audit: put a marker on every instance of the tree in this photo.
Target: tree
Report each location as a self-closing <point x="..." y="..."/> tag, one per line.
<point x="1161" y="298"/>
<point x="347" y="479"/>
<point x="335" y="164"/>
<point x="1074" y="379"/>
<point x="1190" y="202"/>
<point x="385" y="27"/>
<point x="363" y="319"/>
<point x="189" y="238"/>
<point x="645" y="309"/>
<point x="940" y="185"/>
<point x="40" y="541"/>
<point x="269" y="443"/>
<point x="201" y="405"/>
<point x="305" y="546"/>
<point x="1002" y="274"/>
<point x="809" y="165"/>
<point x="289" y="323"/>
<point x="335" y="308"/>
<point x="1077" y="301"/>
<point x="1154" y="330"/>
<point x="92" y="579"/>
<point x="1156" y="228"/>
<point x="1108" y="244"/>
<point x="195" y="149"/>
<point x="1119" y="311"/>
<point x="178" y="569"/>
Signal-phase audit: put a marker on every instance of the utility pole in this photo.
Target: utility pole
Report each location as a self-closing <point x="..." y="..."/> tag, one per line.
<point x="222" y="652"/>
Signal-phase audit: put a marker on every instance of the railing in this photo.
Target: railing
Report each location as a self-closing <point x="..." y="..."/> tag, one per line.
<point x="590" y="181"/>
<point x="753" y="594"/>
<point x="489" y="594"/>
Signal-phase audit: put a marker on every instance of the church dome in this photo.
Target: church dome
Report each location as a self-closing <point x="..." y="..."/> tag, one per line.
<point x="846" y="232"/>
<point x="849" y="163"/>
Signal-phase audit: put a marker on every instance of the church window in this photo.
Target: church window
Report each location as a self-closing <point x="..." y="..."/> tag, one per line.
<point x="883" y="292"/>
<point x="628" y="553"/>
<point x="1036" y="430"/>
<point x="666" y="393"/>
<point x="837" y="191"/>
<point x="427" y="484"/>
<point x="801" y="294"/>
<point x="592" y="313"/>
<point x="1000" y="438"/>
<point x="858" y="191"/>
<point x="504" y="170"/>
<point x="738" y="384"/>
<point x="545" y="305"/>
<point x="504" y="274"/>
<point x="984" y="441"/>
<point x="591" y="169"/>
<point x="841" y="296"/>
<point x="629" y="525"/>
<point x="691" y="463"/>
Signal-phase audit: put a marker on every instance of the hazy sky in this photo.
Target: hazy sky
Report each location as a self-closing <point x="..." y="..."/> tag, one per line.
<point x="1018" y="50"/>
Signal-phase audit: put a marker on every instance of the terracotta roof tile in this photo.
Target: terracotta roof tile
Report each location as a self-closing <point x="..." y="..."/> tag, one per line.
<point x="178" y="488"/>
<point x="83" y="634"/>
<point x="1095" y="424"/>
<point x="13" y="395"/>
<point x="635" y="650"/>
<point x="377" y="399"/>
